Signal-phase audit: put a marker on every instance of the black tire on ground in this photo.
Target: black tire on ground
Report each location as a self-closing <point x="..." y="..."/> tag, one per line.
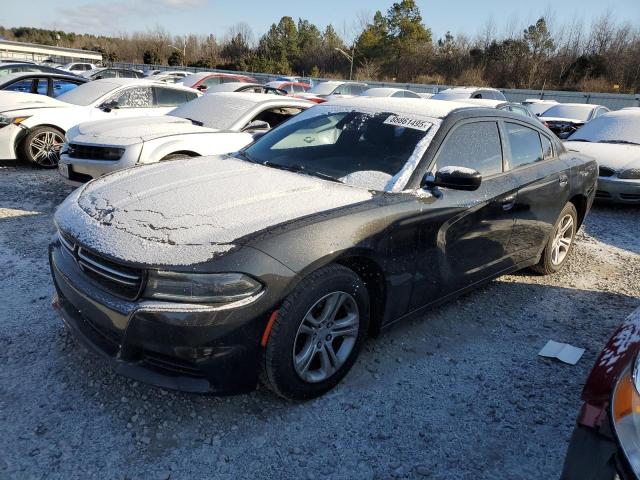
<point x="548" y="265"/>
<point x="41" y="146"/>
<point x="175" y="156"/>
<point x="277" y="371"/>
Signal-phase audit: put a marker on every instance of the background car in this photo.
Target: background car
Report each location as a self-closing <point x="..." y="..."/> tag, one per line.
<point x="170" y="76"/>
<point x="613" y="139"/>
<point x="325" y="91"/>
<point x="212" y="124"/>
<point x="538" y="106"/>
<point x="245" y="87"/>
<point x="203" y="80"/>
<point x="15" y="67"/>
<point x="503" y="105"/>
<point x="462" y="93"/>
<point x="390" y="92"/>
<point x="277" y="263"/>
<point x="32" y="127"/>
<point x="565" y="118"/>
<point x="51" y="84"/>
<point x="605" y="444"/>
<point x="291" y="88"/>
<point x="111" y="72"/>
<point x="78" y="67"/>
<point x="303" y="80"/>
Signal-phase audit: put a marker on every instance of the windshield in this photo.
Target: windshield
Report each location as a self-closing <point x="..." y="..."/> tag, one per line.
<point x="364" y="149"/>
<point x="218" y="111"/>
<point x="575" y="112"/>
<point x="88" y="93"/>
<point x="325" y="88"/>
<point x="613" y="127"/>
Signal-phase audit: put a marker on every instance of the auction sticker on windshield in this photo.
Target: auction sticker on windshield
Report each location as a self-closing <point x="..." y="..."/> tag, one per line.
<point x="408" y="122"/>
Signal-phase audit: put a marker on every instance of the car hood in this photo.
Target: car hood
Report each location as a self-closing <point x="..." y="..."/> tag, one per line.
<point x="560" y="119"/>
<point x="187" y="212"/>
<point x="135" y="129"/>
<point x="12" y="101"/>
<point x="611" y="155"/>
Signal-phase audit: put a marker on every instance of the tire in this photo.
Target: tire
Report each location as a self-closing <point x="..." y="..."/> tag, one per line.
<point x="560" y="243"/>
<point x="175" y="156"/>
<point x="292" y="334"/>
<point x="41" y="146"/>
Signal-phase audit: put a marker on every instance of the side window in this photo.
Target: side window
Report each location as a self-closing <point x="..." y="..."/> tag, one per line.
<point x="473" y="145"/>
<point x="520" y="110"/>
<point x="212" y="81"/>
<point x="478" y="95"/>
<point x="135" y="98"/>
<point x="61" y="86"/>
<point x="357" y="89"/>
<point x="408" y="94"/>
<point x="547" y="147"/>
<point x="169" y="97"/>
<point x="21" y="86"/>
<point x="398" y="94"/>
<point x="106" y="74"/>
<point x="525" y="144"/>
<point x="41" y="86"/>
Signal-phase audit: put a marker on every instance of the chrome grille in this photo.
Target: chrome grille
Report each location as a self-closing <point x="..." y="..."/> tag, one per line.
<point x="67" y="242"/>
<point x="92" y="152"/>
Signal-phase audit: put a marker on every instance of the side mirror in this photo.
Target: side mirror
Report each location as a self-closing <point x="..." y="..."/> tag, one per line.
<point x="455" y="178"/>
<point x="257" y="125"/>
<point x="538" y="114"/>
<point x="110" y="105"/>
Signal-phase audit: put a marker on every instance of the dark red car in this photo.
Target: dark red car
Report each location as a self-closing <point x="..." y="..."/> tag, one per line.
<point x="203" y="80"/>
<point x="606" y="440"/>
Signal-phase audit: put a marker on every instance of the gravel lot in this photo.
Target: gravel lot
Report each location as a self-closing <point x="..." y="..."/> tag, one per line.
<point x="459" y="394"/>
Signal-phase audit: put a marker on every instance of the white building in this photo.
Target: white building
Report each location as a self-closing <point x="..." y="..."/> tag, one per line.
<point x="40" y="53"/>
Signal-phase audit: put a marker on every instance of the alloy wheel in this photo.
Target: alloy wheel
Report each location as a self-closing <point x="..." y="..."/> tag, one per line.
<point x="45" y="148"/>
<point x="562" y="240"/>
<point x="326" y="337"/>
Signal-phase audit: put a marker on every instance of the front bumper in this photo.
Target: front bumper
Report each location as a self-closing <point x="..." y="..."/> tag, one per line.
<point x="83" y="170"/>
<point x="616" y="190"/>
<point x="9" y="136"/>
<point x="194" y="348"/>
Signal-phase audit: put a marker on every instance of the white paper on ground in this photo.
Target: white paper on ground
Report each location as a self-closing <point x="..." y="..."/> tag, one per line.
<point x="562" y="351"/>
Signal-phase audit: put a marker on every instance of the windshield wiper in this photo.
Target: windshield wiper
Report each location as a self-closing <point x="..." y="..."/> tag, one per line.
<point x="624" y="142"/>
<point x="300" y="169"/>
<point x="579" y="140"/>
<point x="195" y="122"/>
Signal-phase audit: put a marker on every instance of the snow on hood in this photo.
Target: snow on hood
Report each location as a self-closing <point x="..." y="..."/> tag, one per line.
<point x="136" y="129"/>
<point x="611" y="155"/>
<point x="560" y="119"/>
<point x="10" y="101"/>
<point x="186" y="212"/>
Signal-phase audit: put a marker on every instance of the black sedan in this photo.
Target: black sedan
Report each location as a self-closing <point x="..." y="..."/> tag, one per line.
<point x="276" y="263"/>
<point x="50" y="84"/>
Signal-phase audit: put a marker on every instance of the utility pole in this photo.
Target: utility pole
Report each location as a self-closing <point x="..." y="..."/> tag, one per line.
<point x="348" y="57"/>
<point x="183" y="51"/>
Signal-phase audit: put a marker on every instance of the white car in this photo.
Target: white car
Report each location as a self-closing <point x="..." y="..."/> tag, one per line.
<point x="32" y="127"/>
<point x="78" y="67"/>
<point x="565" y="118"/>
<point x="215" y="123"/>
<point x="462" y="93"/>
<point x="170" y="76"/>
<point x="390" y="92"/>
<point x="332" y="89"/>
<point x="538" y="106"/>
<point x="613" y="139"/>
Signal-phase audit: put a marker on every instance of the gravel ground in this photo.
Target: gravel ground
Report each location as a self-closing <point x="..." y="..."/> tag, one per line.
<point x="458" y="394"/>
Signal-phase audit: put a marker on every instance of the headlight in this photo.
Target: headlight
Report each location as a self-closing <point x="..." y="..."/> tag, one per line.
<point x="630" y="174"/>
<point x="200" y="287"/>
<point x="626" y="414"/>
<point x="4" y="121"/>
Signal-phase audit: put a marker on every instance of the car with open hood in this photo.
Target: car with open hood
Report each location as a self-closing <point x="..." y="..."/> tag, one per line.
<point x="278" y="261"/>
<point x="212" y="124"/>
<point x="565" y="118"/>
<point x="32" y="127"/>
<point x="613" y="139"/>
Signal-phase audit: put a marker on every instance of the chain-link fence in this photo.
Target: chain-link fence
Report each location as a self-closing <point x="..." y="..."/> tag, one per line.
<point x="614" y="101"/>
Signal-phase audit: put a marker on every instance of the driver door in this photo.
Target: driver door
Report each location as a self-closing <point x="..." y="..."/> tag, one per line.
<point x="466" y="240"/>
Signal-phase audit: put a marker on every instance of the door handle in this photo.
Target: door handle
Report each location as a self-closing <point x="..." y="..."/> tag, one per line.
<point x="564" y="180"/>
<point x="508" y="202"/>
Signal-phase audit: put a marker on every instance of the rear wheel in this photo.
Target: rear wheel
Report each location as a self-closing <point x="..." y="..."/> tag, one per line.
<point x="560" y="243"/>
<point x="317" y="334"/>
<point x="175" y="156"/>
<point x="42" y="146"/>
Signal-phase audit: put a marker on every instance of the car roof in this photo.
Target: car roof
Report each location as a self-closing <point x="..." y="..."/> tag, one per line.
<point x="383" y="91"/>
<point x="214" y="74"/>
<point x="408" y="106"/>
<point x="468" y="89"/>
<point x="118" y="82"/>
<point x="18" y="75"/>
<point x="231" y="87"/>
<point x="485" y="102"/>
<point x="585" y="106"/>
<point x="258" y="98"/>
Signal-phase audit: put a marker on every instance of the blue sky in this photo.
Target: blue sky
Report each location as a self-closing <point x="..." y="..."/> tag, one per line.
<point x="216" y="16"/>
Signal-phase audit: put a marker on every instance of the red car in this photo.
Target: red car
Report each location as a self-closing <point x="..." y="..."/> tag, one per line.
<point x="203" y="80"/>
<point x="605" y="444"/>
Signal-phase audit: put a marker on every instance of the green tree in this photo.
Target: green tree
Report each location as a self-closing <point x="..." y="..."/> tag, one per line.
<point x="175" y="59"/>
<point x="151" y="57"/>
<point x="541" y="45"/>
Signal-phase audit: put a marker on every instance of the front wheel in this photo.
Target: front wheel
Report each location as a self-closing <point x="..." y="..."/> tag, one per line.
<point x="42" y="146"/>
<point x="317" y="334"/>
<point x="560" y="243"/>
